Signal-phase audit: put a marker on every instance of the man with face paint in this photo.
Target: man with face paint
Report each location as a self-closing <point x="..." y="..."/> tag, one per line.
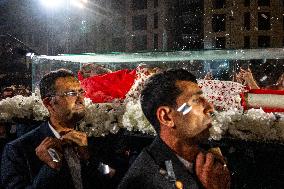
<point x="54" y="155"/>
<point x="173" y="103"/>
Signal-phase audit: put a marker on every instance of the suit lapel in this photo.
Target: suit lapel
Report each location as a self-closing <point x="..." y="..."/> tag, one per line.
<point x="45" y="131"/>
<point x="39" y="134"/>
<point x="160" y="152"/>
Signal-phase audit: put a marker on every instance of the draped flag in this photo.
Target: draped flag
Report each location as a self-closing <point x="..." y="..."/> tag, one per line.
<point x="108" y="87"/>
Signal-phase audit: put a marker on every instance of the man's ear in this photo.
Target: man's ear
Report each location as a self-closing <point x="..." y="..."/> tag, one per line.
<point x="47" y="102"/>
<point x="165" y="116"/>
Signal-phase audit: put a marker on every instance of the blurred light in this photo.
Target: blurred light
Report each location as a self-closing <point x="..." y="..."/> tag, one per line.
<point x="263" y="78"/>
<point x="30" y="54"/>
<point x="52" y="3"/>
<point x="85" y="1"/>
<point x="77" y="3"/>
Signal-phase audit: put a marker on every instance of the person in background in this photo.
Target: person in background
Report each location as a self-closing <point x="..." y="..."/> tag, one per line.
<point x="54" y="155"/>
<point x="280" y="83"/>
<point x="22" y="90"/>
<point x="7" y="92"/>
<point x="209" y="76"/>
<point x="246" y="77"/>
<point x="173" y="103"/>
<point x="5" y="135"/>
<point x="10" y="127"/>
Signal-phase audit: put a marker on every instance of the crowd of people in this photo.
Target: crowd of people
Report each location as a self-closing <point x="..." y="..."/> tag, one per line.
<point x="15" y="90"/>
<point x="53" y="154"/>
<point x="7" y="129"/>
<point x="56" y="155"/>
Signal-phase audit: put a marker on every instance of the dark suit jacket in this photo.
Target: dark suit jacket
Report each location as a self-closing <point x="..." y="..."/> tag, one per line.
<point x="21" y="168"/>
<point x="148" y="170"/>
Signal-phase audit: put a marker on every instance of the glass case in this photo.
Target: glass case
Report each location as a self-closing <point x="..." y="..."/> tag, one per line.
<point x="266" y="64"/>
<point x="253" y="142"/>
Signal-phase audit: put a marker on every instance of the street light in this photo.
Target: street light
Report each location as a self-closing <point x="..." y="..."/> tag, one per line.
<point x="60" y="3"/>
<point x="52" y="3"/>
<point x="54" y="6"/>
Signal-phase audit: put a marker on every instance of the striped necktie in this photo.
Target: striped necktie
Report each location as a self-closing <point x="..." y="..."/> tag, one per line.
<point x="74" y="165"/>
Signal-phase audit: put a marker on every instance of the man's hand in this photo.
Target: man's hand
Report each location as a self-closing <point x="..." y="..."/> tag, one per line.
<point x="239" y="78"/>
<point x="77" y="137"/>
<point x="83" y="152"/>
<point x="208" y="76"/>
<point x="81" y="141"/>
<point x="247" y="76"/>
<point x="211" y="172"/>
<point x="43" y="155"/>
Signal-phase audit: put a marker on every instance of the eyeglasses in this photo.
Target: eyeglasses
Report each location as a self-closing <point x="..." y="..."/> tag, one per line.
<point x="80" y="93"/>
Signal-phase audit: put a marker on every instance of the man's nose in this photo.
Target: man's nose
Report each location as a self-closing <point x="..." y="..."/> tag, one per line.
<point x="80" y="99"/>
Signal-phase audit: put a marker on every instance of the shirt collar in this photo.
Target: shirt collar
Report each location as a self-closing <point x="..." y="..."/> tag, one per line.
<point x="56" y="134"/>
<point x="188" y="165"/>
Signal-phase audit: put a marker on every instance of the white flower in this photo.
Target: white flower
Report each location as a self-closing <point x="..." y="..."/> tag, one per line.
<point x="223" y="94"/>
<point x="254" y="124"/>
<point x="134" y="119"/>
<point x="23" y="107"/>
<point x="104" y="118"/>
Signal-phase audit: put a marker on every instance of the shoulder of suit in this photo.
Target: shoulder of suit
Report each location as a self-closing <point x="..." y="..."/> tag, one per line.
<point x="143" y="164"/>
<point x="26" y="138"/>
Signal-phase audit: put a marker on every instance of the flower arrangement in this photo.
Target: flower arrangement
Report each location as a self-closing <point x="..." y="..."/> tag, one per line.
<point x="134" y="119"/>
<point x="104" y="118"/>
<point x="223" y="94"/>
<point x="23" y="108"/>
<point x="100" y="119"/>
<point x="253" y="124"/>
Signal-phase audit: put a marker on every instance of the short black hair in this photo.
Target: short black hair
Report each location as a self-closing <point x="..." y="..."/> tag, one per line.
<point x="47" y="83"/>
<point x="161" y="90"/>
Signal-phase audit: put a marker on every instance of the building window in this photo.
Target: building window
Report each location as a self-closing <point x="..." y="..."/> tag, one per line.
<point x="247" y="21"/>
<point x="156" y="21"/>
<point x="246" y="3"/>
<point x="139" y="42"/>
<point x="139" y="4"/>
<point x="246" y="42"/>
<point x="220" y="42"/>
<point x="263" y="2"/>
<point x="263" y="41"/>
<point x="264" y="21"/>
<point x="219" y="22"/>
<point x="156" y="3"/>
<point x="139" y="22"/>
<point x="156" y="42"/>
<point x="218" y="4"/>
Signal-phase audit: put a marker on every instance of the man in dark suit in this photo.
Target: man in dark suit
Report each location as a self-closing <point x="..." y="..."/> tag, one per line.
<point x="54" y="155"/>
<point x="173" y="103"/>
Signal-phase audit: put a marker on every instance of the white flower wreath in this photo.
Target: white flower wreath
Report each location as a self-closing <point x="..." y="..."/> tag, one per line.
<point x="104" y="118"/>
